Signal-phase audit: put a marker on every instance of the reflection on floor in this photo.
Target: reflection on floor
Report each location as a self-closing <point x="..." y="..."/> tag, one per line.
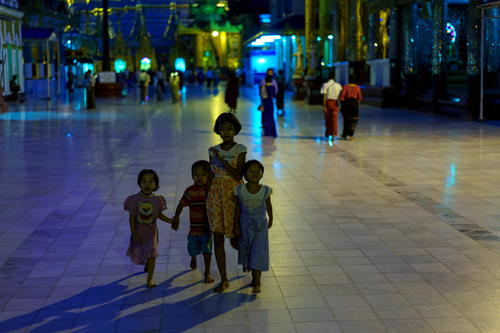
<point x="396" y="231"/>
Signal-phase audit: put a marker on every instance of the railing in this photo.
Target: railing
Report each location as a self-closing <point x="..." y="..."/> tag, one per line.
<point x="10" y="3"/>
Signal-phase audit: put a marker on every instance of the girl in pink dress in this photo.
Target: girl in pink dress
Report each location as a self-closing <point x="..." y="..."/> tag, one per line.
<point x="144" y="208"/>
<point x="226" y="161"/>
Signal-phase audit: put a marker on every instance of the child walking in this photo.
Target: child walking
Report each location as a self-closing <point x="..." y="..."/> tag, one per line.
<point x="145" y="208"/>
<point x="195" y="196"/>
<point x="254" y="201"/>
<point x="226" y="161"/>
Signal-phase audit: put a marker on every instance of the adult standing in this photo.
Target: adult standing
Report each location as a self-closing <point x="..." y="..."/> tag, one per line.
<point x="280" y="95"/>
<point x="175" y="82"/>
<point x="331" y="91"/>
<point x="263" y="83"/>
<point x="144" y="80"/>
<point x="70" y="83"/>
<point x="232" y="92"/>
<point x="90" y="84"/>
<point x="267" y="94"/>
<point x="350" y="96"/>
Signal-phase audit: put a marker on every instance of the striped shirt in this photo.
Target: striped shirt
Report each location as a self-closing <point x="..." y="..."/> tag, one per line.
<point x="195" y="197"/>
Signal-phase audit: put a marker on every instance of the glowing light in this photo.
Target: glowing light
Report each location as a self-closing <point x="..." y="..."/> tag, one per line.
<point x="215" y="33"/>
<point x="375" y="44"/>
<point x="330" y="37"/>
<point x="180" y="64"/>
<point x="293" y="37"/>
<point x="69" y="135"/>
<point x="265" y="18"/>
<point x="145" y="63"/>
<point x="262" y="40"/>
<point x="450" y="30"/>
<point x="261" y="60"/>
<point x="318" y="39"/>
<point x="120" y="65"/>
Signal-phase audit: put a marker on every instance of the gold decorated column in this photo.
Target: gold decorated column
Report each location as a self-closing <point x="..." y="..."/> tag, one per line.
<point x="309" y="31"/>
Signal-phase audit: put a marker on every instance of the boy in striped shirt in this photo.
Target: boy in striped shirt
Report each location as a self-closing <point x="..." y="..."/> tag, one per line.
<point x="200" y="236"/>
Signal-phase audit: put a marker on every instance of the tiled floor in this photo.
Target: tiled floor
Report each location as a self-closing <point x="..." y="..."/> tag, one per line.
<point x="396" y="231"/>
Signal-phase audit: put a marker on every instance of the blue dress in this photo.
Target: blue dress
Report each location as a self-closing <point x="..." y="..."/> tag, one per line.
<point x="268" y="123"/>
<point x="254" y="242"/>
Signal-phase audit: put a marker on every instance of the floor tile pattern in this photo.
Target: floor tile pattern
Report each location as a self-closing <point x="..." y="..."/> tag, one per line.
<point x="396" y="231"/>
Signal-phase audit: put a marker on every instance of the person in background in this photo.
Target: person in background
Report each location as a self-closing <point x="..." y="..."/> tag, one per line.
<point x="232" y="92"/>
<point x="14" y="88"/>
<point x="70" y="83"/>
<point x="144" y="80"/>
<point x="331" y="91"/>
<point x="280" y="95"/>
<point x="350" y="96"/>
<point x="90" y="84"/>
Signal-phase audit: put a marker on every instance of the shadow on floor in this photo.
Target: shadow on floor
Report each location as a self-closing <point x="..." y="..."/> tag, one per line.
<point x="102" y="308"/>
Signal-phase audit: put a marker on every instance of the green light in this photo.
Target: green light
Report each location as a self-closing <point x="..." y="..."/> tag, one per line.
<point x="120" y="65"/>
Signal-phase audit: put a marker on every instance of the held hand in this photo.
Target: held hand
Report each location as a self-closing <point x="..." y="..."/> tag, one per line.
<point x="215" y="152"/>
<point x="175" y="222"/>
<point x="325" y="109"/>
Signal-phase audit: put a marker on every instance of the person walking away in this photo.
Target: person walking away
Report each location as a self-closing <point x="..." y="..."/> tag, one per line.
<point x="280" y="95"/>
<point x="226" y="161"/>
<point x="331" y="91"/>
<point x="90" y="84"/>
<point x="200" y="236"/>
<point x="350" y="96"/>
<point x="267" y="95"/>
<point x="232" y="92"/>
<point x="144" y="208"/>
<point x="144" y="80"/>
<point x="254" y="201"/>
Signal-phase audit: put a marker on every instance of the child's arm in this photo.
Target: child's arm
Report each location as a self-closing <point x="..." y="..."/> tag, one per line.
<point x="269" y="209"/>
<point x="135" y="236"/>
<point x="176" y="220"/>
<point x="234" y="172"/>
<point x="167" y="220"/>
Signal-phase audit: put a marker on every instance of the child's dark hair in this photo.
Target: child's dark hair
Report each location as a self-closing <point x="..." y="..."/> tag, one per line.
<point x="149" y="172"/>
<point x="205" y="165"/>
<point x="227" y="118"/>
<point x="247" y="166"/>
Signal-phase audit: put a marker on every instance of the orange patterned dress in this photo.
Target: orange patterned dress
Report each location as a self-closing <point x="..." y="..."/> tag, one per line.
<point x="221" y="202"/>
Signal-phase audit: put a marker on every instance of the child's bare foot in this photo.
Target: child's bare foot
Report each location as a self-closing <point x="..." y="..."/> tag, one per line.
<point x="221" y="287"/>
<point x="151" y="283"/>
<point x="208" y="278"/>
<point x="252" y="284"/>
<point x="256" y="289"/>
<point x="193" y="263"/>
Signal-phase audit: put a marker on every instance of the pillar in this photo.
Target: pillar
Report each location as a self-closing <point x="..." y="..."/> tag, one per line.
<point x="439" y="9"/>
<point x="473" y="56"/>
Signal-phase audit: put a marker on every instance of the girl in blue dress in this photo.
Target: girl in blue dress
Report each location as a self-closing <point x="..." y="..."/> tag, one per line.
<point x="254" y="201"/>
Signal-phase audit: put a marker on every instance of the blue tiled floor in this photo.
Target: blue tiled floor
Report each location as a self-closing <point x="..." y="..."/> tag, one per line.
<point x="396" y="231"/>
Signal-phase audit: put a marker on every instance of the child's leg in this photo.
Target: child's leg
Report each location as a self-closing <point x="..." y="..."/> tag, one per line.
<point x="207" y="258"/>
<point x="151" y="269"/>
<point x="193" y="263"/>
<point x="220" y="257"/>
<point x="256" y="280"/>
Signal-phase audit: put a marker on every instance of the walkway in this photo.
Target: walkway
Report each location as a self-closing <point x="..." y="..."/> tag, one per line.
<point x="396" y="231"/>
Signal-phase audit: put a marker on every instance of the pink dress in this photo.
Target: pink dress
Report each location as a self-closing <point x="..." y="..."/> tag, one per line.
<point x="221" y="202"/>
<point x="146" y="211"/>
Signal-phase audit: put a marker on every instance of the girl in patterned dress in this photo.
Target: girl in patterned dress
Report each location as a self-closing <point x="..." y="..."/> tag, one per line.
<point x="144" y="208"/>
<point x="254" y="201"/>
<point x="226" y="161"/>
